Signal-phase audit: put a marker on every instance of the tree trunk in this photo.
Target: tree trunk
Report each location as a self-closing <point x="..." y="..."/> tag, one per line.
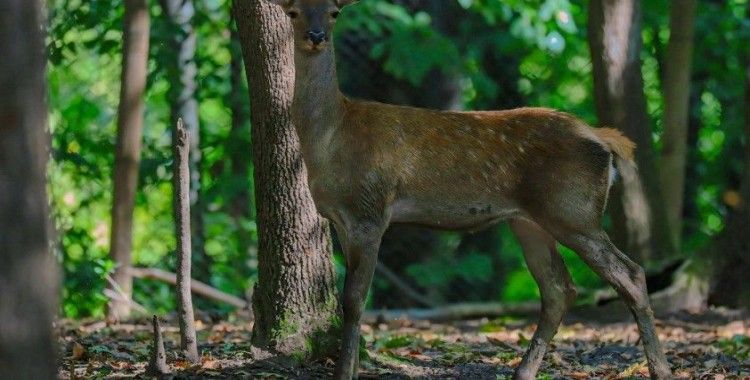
<point x="295" y="297"/>
<point x="639" y="219"/>
<point x="182" y="72"/>
<point x="677" y="70"/>
<point x="128" y="146"/>
<point x="731" y="251"/>
<point x="28" y="273"/>
<point x="181" y="208"/>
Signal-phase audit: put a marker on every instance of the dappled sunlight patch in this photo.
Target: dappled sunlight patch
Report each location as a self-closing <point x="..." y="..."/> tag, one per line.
<point x="482" y="349"/>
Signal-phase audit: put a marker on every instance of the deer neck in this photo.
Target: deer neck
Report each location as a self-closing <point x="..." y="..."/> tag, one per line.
<point x="318" y="103"/>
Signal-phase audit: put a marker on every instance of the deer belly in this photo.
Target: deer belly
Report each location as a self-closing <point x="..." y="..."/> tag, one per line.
<point x="450" y="215"/>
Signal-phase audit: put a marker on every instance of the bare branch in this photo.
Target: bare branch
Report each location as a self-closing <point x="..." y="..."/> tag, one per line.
<point x="403" y="286"/>
<point x="455" y="312"/>
<point x="196" y="287"/>
<point x="119" y="295"/>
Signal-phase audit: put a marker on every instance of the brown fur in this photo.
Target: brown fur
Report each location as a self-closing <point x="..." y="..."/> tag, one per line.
<point x="372" y="164"/>
<point x="617" y="142"/>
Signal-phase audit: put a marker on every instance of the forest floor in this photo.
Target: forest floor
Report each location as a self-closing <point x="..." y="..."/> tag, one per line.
<point x="711" y="345"/>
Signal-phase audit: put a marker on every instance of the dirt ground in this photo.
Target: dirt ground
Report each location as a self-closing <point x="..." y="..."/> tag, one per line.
<point x="711" y="345"/>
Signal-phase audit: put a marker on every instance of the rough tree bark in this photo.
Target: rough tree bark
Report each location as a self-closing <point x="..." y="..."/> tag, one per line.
<point x="157" y="365"/>
<point x="639" y="219"/>
<point x="677" y="69"/>
<point x="128" y="147"/>
<point x="28" y="273"/>
<point x="181" y="209"/>
<point x="295" y="296"/>
<point x="182" y="71"/>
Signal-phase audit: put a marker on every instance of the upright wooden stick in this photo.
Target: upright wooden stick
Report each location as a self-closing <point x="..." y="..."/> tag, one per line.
<point x="158" y="364"/>
<point x="181" y="149"/>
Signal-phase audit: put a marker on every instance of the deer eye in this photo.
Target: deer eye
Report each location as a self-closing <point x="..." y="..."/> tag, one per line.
<point x="292" y="14"/>
<point x="335" y="14"/>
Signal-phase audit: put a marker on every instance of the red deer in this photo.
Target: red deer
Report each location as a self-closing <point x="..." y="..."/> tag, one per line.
<point x="372" y="164"/>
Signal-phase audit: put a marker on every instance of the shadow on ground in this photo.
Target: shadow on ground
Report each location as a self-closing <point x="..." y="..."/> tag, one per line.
<point x="714" y="344"/>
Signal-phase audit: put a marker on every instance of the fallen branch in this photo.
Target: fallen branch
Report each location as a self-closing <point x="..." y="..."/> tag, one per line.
<point x="403" y="286"/>
<point x="197" y="287"/>
<point x="181" y="210"/>
<point x="455" y="312"/>
<point x="157" y="366"/>
<point x="119" y="295"/>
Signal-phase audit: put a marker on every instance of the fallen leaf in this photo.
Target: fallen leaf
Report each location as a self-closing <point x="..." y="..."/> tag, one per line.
<point x="79" y="351"/>
<point x="579" y="375"/>
<point x="211" y="364"/>
<point x="640" y="368"/>
<point x="181" y="364"/>
<point x="515" y="362"/>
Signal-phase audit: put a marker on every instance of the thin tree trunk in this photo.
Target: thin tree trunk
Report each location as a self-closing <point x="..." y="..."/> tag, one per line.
<point x="181" y="173"/>
<point x="693" y="174"/>
<point x="295" y="297"/>
<point x="128" y="146"/>
<point x="678" y="63"/>
<point x="182" y="73"/>
<point x="639" y="219"/>
<point x="28" y="273"/>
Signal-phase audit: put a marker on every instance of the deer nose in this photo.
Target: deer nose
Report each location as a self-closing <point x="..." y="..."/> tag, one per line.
<point x="316" y="36"/>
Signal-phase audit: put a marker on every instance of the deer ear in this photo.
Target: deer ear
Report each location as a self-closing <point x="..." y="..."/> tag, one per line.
<point x="343" y="3"/>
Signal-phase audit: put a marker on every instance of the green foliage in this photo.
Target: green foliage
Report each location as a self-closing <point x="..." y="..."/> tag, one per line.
<point x="504" y="54"/>
<point x="738" y="347"/>
<point x="85" y="57"/>
<point x="408" y="44"/>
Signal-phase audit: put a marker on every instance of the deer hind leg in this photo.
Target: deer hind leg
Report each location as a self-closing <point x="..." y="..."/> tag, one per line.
<point x="555" y="286"/>
<point x="629" y="280"/>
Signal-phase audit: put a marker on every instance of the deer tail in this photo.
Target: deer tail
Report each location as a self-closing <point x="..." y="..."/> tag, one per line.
<point x="621" y="146"/>
<point x="623" y="162"/>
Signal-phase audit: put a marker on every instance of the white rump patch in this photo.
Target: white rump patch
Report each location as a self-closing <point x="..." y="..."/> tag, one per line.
<point x="610" y="181"/>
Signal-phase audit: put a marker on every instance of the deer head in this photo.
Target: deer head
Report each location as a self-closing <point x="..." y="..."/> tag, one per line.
<point x="312" y="21"/>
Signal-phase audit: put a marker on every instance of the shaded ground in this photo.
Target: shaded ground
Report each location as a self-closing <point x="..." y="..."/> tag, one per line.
<point x="713" y="345"/>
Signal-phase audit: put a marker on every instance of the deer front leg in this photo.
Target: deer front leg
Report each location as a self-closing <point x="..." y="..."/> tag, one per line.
<point x="555" y="286"/>
<point x="360" y="242"/>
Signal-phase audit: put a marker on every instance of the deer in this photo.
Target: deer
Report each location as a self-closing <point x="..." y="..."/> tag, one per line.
<point x="545" y="172"/>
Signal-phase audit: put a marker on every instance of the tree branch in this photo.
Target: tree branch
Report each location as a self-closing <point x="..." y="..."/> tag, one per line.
<point x="455" y="312"/>
<point x="196" y="287"/>
<point x="403" y="286"/>
<point x="119" y="295"/>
